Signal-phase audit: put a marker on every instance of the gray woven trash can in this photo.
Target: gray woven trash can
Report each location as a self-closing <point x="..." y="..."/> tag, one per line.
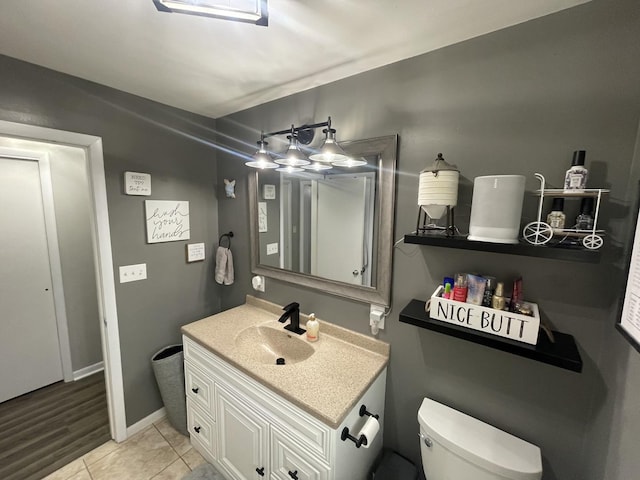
<point x="168" y="367"/>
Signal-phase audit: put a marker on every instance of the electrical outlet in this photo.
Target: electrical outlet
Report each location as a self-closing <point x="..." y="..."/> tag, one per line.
<point x="132" y="273"/>
<point x="272" y="248"/>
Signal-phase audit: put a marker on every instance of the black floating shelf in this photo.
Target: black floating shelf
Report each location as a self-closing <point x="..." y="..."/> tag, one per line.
<point x="563" y="353"/>
<point x="555" y="252"/>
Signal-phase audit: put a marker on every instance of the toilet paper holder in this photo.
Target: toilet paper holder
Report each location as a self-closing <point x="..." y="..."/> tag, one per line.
<point x="362" y="440"/>
<point x="363" y="412"/>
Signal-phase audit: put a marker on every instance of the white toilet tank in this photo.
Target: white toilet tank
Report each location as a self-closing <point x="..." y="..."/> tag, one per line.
<point x="456" y="446"/>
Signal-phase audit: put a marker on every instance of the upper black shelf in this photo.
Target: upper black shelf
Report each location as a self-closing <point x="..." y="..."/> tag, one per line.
<point x="557" y="253"/>
<point x="563" y="353"/>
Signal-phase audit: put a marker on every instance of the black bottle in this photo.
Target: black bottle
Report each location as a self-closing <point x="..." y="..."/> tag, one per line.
<point x="584" y="221"/>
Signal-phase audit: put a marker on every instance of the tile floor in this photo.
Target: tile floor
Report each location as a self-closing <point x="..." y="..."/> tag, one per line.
<point x="160" y="453"/>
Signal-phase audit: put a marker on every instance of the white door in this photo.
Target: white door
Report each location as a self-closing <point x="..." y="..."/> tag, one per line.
<point x="29" y="347"/>
<point x="338" y="229"/>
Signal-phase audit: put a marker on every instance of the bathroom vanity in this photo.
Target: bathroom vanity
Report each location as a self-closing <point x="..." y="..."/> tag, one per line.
<point x="252" y="418"/>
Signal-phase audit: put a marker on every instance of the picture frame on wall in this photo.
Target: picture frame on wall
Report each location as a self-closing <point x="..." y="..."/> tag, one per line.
<point x="262" y="217"/>
<point x="269" y="192"/>
<point x="167" y="220"/>
<point x="629" y="317"/>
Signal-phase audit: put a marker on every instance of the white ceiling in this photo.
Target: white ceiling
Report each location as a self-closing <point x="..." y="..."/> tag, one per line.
<point x="215" y="67"/>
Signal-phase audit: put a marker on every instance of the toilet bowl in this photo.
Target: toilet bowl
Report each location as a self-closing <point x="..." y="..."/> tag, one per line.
<point x="455" y="446"/>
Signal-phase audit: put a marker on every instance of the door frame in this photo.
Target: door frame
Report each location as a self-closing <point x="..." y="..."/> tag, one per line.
<point x="51" y="229"/>
<point x="103" y="258"/>
<point x="285" y="224"/>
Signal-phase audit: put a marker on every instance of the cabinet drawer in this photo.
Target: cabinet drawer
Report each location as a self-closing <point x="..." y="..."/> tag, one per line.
<point x="290" y="460"/>
<point x="199" y="388"/>
<point x="202" y="428"/>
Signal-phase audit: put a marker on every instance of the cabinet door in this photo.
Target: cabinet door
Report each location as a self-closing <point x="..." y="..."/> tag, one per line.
<point x="290" y="461"/>
<point x="242" y="438"/>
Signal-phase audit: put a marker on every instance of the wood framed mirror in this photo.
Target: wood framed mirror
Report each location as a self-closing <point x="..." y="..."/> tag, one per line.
<point x="330" y="230"/>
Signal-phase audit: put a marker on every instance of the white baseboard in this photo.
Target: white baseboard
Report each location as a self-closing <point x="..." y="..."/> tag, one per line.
<point x="86" y="371"/>
<point x="146" y="422"/>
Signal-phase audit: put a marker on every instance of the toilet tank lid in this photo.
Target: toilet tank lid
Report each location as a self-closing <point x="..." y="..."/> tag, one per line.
<point x="480" y="443"/>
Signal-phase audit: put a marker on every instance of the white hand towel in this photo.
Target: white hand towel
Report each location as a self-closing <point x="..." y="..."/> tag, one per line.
<point x="224" y="266"/>
<point x="228" y="274"/>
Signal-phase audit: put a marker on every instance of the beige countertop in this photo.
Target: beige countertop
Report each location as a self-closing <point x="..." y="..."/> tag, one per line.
<point x="326" y="385"/>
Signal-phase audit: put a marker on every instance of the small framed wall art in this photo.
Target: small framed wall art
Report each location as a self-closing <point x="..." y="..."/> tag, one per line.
<point x="269" y="192"/>
<point x="195" y="252"/>
<point x="136" y="183"/>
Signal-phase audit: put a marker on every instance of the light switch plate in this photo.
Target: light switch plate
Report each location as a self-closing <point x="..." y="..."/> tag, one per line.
<point x="272" y="248"/>
<point x="132" y="273"/>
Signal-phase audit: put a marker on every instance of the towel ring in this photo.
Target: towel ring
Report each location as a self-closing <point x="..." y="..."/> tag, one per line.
<point x="229" y="237"/>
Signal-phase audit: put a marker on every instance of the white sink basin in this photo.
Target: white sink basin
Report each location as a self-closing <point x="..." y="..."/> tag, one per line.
<point x="266" y="345"/>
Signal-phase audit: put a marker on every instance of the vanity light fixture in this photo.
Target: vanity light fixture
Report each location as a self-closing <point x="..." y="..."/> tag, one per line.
<point x="248" y="11"/>
<point x="262" y="159"/>
<point x="289" y="169"/>
<point x="293" y="157"/>
<point x="328" y="156"/>
<point x="318" y="166"/>
<point x="350" y="162"/>
<point x="330" y="151"/>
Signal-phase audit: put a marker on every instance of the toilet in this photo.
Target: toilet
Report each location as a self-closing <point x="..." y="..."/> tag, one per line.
<point x="455" y="446"/>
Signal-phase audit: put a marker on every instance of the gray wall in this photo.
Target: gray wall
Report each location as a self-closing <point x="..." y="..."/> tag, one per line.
<point x="71" y="198"/>
<point x="518" y="101"/>
<point x="138" y="135"/>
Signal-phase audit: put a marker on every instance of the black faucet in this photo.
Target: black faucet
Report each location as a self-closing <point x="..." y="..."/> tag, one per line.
<point x="292" y="311"/>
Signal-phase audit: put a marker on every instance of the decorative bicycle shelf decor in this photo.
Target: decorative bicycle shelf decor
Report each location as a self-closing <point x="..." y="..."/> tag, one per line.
<point x="540" y="233"/>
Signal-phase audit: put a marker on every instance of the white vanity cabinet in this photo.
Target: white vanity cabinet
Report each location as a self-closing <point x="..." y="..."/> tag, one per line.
<point x="247" y="431"/>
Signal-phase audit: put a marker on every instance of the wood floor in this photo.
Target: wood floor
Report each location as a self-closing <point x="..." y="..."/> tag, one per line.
<point x="48" y="428"/>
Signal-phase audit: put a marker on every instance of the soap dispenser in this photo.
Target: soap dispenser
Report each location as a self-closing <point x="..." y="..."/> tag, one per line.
<point x="313" y="328"/>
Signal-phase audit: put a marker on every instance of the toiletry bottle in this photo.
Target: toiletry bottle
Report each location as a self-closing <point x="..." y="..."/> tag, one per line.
<point x="489" y="289"/>
<point x="498" y="301"/>
<point x="516" y="295"/>
<point x="576" y="176"/>
<point x="447" y="283"/>
<point x="556" y="217"/>
<point x="460" y="287"/>
<point x="313" y="328"/>
<point x="584" y="221"/>
<point x="475" y="289"/>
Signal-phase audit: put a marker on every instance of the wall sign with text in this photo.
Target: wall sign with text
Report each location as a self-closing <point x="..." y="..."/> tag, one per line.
<point x="195" y="252"/>
<point x="629" y="321"/>
<point x="262" y="217"/>
<point x="136" y="183"/>
<point x="167" y="220"/>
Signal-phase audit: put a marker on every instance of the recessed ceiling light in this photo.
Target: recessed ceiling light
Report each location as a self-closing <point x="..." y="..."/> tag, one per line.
<point x="251" y="11"/>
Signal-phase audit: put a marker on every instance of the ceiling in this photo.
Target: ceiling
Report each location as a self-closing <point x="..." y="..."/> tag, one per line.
<point x="215" y="67"/>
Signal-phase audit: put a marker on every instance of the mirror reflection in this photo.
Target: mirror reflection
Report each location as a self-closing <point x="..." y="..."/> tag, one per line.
<point x="331" y="229"/>
<point x="320" y="223"/>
